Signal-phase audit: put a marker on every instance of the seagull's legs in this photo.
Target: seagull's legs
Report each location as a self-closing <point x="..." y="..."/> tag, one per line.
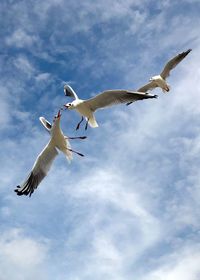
<point x="78" y="125"/>
<point x="86" y="126"/>
<point x="75" y="152"/>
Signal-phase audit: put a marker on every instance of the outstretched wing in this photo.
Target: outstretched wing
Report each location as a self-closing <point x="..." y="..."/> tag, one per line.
<point x="173" y="62"/>
<point x="147" y="87"/>
<point x="113" y="97"/>
<point x="70" y="92"/>
<point x="144" y="89"/>
<point x="38" y="172"/>
<point x="45" y="123"/>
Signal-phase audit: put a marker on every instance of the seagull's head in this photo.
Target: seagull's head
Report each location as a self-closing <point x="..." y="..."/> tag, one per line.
<point x="57" y="117"/>
<point x="154" y="78"/>
<point x="69" y="106"/>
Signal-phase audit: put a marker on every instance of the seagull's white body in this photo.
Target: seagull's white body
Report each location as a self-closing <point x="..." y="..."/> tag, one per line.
<point x="46" y="158"/>
<point x="105" y="99"/>
<point x="84" y="110"/>
<point x="160" y="80"/>
<point x="59" y="141"/>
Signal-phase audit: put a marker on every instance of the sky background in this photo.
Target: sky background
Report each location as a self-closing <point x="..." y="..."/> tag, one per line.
<point x="129" y="209"/>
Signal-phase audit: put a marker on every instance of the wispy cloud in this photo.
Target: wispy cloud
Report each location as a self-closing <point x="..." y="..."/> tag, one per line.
<point x="20" y="39"/>
<point x="134" y="198"/>
<point x="23" y="254"/>
<point x="184" y="264"/>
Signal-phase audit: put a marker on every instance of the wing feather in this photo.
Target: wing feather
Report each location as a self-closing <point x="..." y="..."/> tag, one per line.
<point x="147" y="87"/>
<point x="172" y="63"/>
<point x="39" y="171"/>
<point x="113" y="97"/>
<point x="70" y="92"/>
<point x="46" y="124"/>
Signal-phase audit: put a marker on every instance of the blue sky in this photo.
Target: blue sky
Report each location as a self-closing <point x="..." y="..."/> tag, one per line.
<point x="130" y="208"/>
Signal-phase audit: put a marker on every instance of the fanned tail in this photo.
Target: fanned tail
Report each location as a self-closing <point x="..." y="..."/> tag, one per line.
<point x="92" y="121"/>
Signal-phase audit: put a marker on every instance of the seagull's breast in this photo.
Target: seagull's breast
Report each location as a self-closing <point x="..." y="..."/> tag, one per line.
<point x="60" y="142"/>
<point x="57" y="138"/>
<point x="159" y="81"/>
<point x="83" y="109"/>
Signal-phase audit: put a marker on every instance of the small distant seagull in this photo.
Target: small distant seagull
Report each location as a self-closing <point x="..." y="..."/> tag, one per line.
<point x="160" y="80"/>
<point x="105" y="99"/>
<point x="45" y="159"/>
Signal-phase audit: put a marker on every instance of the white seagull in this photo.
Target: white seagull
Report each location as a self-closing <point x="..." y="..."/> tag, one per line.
<point x="105" y="99"/>
<point x="47" y="125"/>
<point x="160" y="80"/>
<point x="45" y="159"/>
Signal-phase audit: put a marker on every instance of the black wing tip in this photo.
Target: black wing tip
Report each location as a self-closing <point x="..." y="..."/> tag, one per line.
<point x="27" y="189"/>
<point x="20" y="192"/>
<point x="189" y="50"/>
<point x="16" y="190"/>
<point x="186" y="52"/>
<point x="151" y="96"/>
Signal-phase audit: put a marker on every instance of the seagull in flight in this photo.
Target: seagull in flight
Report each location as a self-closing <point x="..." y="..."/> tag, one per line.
<point x="45" y="159"/>
<point x="160" y="80"/>
<point x="86" y="108"/>
<point x="47" y="125"/>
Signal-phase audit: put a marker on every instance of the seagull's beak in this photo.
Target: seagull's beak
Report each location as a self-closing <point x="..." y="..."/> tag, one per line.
<point x="66" y="106"/>
<point x="59" y="114"/>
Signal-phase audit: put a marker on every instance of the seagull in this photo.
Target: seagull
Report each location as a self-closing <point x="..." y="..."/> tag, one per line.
<point x="47" y="125"/>
<point x="45" y="159"/>
<point x="160" y="80"/>
<point x="86" y="108"/>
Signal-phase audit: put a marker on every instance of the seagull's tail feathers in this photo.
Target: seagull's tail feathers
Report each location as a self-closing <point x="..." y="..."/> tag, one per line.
<point x="68" y="153"/>
<point x="92" y="122"/>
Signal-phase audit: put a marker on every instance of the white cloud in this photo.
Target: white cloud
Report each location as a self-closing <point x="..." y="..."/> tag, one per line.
<point x="183" y="264"/>
<point x="21" y="39"/>
<point x="21" y="256"/>
<point x="4" y="108"/>
<point x="24" y="64"/>
<point x="43" y="77"/>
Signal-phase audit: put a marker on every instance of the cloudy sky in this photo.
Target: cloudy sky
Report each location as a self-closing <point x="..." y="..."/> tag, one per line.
<point x="129" y="209"/>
